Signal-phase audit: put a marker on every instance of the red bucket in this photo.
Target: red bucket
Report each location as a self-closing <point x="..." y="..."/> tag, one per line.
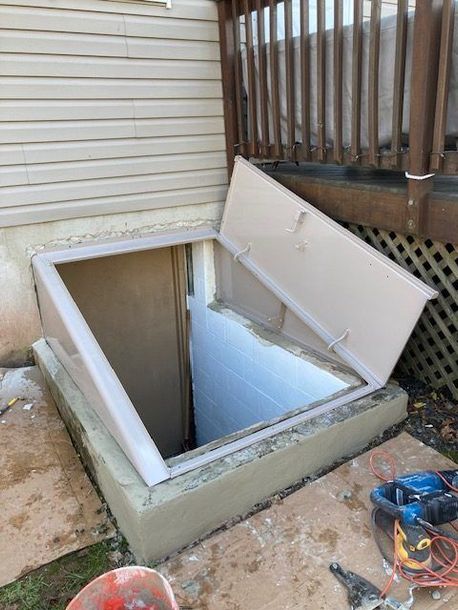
<point x="129" y="588"/>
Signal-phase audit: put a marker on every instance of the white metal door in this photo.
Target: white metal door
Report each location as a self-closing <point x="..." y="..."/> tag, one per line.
<point x="361" y="303"/>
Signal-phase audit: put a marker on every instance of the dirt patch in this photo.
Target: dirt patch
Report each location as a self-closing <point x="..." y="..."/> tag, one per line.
<point x="433" y="417"/>
<point x="52" y="587"/>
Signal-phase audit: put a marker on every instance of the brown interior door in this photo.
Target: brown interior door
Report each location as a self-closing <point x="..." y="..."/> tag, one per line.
<point x="135" y="305"/>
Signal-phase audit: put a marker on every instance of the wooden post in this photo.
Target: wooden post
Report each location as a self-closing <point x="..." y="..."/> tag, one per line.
<point x="226" y="37"/>
<point x="305" y="80"/>
<point x="290" y="93"/>
<point x="338" y="80"/>
<point x="263" y="88"/>
<point x="252" y="109"/>
<point x="274" y="81"/>
<point x="425" y="66"/>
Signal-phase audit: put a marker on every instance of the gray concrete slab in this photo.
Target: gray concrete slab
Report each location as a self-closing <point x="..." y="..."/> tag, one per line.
<point x="279" y="558"/>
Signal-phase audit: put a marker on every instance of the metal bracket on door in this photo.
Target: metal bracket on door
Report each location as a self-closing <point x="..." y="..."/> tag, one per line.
<point x="299" y="219"/>
<point x="245" y="250"/>
<point x="343" y="336"/>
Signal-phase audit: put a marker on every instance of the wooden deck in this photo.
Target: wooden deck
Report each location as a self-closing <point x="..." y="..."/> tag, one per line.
<point x="375" y="198"/>
<point x="272" y="111"/>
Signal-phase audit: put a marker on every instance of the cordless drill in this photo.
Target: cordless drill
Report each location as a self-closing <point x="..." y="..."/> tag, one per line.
<point x="417" y="501"/>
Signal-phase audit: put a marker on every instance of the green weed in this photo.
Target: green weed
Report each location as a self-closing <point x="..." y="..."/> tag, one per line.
<point x="53" y="586"/>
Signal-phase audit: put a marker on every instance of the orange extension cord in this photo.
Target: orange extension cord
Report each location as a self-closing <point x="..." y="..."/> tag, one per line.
<point x="444" y="550"/>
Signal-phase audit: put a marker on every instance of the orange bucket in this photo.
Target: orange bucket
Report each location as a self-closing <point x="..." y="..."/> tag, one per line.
<point x="129" y="588"/>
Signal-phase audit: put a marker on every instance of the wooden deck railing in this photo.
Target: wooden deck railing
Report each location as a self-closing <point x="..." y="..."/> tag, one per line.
<point x="305" y="82"/>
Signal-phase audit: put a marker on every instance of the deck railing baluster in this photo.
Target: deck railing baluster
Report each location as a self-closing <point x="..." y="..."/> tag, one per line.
<point x="263" y="91"/>
<point x="357" y="60"/>
<point x="289" y="67"/>
<point x="251" y="75"/>
<point x="305" y="79"/>
<point x="321" y="79"/>
<point x="399" y="82"/>
<point x="274" y="84"/>
<point x="373" y="86"/>
<point x="338" y="79"/>
<point x="241" y="127"/>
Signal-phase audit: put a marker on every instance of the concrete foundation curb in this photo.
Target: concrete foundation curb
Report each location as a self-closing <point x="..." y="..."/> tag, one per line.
<point x="160" y="520"/>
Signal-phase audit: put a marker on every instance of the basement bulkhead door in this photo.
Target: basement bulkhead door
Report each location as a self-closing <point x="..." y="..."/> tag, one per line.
<point x="357" y="300"/>
<point x="360" y="303"/>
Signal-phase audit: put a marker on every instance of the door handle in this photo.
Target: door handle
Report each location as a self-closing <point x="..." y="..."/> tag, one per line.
<point x="299" y="219"/>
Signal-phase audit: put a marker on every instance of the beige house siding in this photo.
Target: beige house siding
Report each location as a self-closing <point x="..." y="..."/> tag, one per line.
<point x="111" y="126"/>
<point x="108" y="107"/>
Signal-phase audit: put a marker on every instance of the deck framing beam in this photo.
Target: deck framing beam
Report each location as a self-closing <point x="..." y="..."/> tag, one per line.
<point x="374" y="207"/>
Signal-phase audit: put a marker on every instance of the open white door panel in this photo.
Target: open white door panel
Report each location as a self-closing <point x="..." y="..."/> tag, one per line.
<point x="361" y="303"/>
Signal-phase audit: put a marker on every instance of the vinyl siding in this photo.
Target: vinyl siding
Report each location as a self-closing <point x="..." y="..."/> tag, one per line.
<point x="108" y="107"/>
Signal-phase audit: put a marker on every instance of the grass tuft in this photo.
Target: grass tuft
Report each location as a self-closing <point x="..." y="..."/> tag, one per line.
<point x="25" y="594"/>
<point x="55" y="585"/>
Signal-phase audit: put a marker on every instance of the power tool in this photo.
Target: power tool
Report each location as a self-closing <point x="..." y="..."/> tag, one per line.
<point x="419" y="503"/>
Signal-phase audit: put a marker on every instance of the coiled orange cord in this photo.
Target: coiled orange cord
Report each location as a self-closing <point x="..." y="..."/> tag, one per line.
<point x="389" y="459"/>
<point x="444" y="550"/>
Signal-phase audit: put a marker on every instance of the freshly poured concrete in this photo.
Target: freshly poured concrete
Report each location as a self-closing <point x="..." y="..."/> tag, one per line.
<point x="160" y="520"/>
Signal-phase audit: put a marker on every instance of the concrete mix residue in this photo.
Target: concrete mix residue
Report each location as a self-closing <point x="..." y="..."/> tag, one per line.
<point x="49" y="507"/>
<point x="279" y="558"/>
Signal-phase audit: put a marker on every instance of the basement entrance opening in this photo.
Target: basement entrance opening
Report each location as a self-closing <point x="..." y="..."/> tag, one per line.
<point x="196" y="370"/>
<point x="196" y="344"/>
